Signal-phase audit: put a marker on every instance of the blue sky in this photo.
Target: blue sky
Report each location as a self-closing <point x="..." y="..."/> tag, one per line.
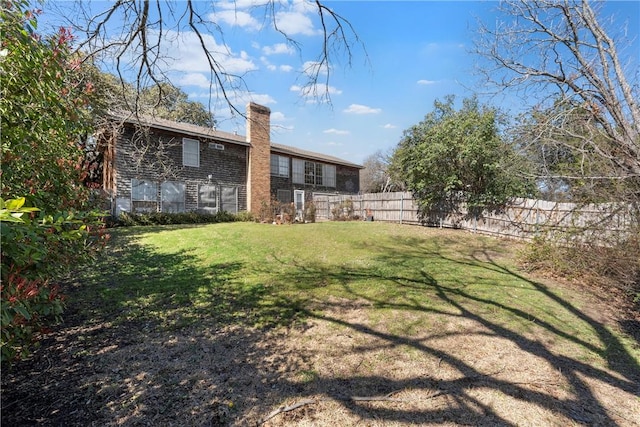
<point x="413" y="53"/>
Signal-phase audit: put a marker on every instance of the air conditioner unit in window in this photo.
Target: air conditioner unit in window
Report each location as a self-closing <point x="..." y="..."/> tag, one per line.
<point x="216" y="146"/>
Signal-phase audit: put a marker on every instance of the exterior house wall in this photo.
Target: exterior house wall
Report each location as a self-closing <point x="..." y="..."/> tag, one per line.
<point x="153" y="152"/>
<point x="347" y="179"/>
<point x="157" y="156"/>
<point x="347" y="182"/>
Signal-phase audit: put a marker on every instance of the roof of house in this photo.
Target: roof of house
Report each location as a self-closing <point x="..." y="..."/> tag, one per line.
<point x="293" y="151"/>
<point x="205" y="132"/>
<point x="181" y="127"/>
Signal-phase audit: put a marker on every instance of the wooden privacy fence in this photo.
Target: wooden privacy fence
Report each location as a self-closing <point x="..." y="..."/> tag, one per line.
<point x="522" y="218"/>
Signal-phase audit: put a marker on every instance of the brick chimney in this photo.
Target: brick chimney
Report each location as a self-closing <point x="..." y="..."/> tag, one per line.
<point x="259" y="171"/>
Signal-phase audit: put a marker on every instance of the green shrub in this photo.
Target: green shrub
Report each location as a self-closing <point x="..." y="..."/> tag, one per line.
<point x="36" y="252"/>
<point x="245" y="216"/>
<point x="127" y="219"/>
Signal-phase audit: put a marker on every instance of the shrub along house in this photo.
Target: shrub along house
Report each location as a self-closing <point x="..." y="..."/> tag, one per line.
<point x="156" y="165"/>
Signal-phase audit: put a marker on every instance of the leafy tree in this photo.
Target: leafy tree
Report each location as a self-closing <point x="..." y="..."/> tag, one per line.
<point x="44" y="114"/>
<point x="169" y="102"/>
<point x="164" y="100"/>
<point x="455" y="157"/>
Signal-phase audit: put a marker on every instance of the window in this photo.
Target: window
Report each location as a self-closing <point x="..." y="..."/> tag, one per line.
<point x="142" y="190"/>
<point x="329" y="175"/>
<point x="319" y="174"/>
<point x="229" y="199"/>
<point x="190" y="152"/>
<point x="309" y="173"/>
<point x="312" y="173"/>
<point x="298" y="171"/>
<point x="284" y="196"/>
<point x="144" y="196"/>
<point x="208" y="198"/>
<point x="172" y="197"/>
<point x="279" y="165"/>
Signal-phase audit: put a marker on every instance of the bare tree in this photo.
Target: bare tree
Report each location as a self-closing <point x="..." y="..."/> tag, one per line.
<point x="136" y="35"/>
<point x="376" y="175"/>
<point x="577" y="71"/>
<point x="571" y="65"/>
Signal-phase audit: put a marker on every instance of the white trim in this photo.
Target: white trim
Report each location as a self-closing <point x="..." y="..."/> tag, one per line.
<point x="298" y="206"/>
<point x="190" y="152"/>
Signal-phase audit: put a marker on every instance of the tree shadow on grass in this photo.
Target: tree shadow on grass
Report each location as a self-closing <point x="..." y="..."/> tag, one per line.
<point x="161" y="339"/>
<point x="151" y="338"/>
<point x="454" y="301"/>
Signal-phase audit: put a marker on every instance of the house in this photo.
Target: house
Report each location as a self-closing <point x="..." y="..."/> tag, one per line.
<point x="151" y="164"/>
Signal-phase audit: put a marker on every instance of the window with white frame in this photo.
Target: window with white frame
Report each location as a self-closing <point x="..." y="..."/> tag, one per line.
<point x="190" y="152"/>
<point x="329" y="175"/>
<point x="208" y="198"/>
<point x="144" y="195"/>
<point x="306" y="172"/>
<point x="309" y="173"/>
<point x="229" y="199"/>
<point x="279" y="165"/>
<point x="297" y="175"/>
<point x="172" y="196"/>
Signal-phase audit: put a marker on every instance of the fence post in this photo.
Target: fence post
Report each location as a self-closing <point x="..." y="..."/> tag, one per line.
<point x="401" y="206"/>
<point x="537" y="232"/>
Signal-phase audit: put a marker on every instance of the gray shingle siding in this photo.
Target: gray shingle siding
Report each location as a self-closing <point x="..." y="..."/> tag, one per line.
<point x="151" y="149"/>
<point x="158" y="158"/>
<point x="347" y="182"/>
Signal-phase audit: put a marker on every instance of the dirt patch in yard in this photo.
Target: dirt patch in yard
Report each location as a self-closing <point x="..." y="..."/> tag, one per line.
<point x="339" y="367"/>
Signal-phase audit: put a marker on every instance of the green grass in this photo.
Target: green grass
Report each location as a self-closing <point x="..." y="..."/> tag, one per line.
<point x="268" y="276"/>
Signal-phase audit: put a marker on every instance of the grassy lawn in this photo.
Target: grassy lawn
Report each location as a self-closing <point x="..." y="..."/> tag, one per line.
<point x="222" y="324"/>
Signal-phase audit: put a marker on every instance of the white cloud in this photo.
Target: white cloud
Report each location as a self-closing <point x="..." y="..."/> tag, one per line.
<point x="237" y="18"/>
<point x="337" y="131"/>
<point x="262" y="99"/>
<point x="278" y="49"/>
<point x="292" y="18"/>
<point x="426" y="82"/>
<point x="389" y="126"/>
<point x="361" y="109"/>
<point x="277" y="116"/>
<point x="296" y="22"/>
<point x="240" y="4"/>
<point x="334" y="144"/>
<point x="184" y="53"/>
<point x="194" y="79"/>
<point x="312" y="68"/>
<point x="199" y="95"/>
<point x="272" y="67"/>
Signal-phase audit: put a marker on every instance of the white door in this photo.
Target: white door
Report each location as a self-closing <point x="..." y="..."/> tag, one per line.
<point x="298" y="197"/>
